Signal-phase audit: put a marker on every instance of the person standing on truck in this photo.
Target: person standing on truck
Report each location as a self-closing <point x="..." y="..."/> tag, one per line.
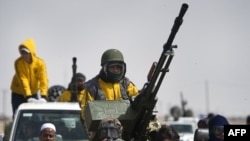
<point x="30" y="76"/>
<point x="47" y="132"/>
<point x="66" y="95"/>
<point x="110" y="83"/>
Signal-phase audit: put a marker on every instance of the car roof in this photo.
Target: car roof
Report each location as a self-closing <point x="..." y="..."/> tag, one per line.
<point x="50" y="105"/>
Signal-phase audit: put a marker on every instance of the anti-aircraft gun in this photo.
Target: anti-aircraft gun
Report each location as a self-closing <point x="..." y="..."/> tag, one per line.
<point x="135" y="115"/>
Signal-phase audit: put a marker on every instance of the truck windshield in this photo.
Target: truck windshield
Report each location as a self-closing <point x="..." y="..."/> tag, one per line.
<point x="68" y="124"/>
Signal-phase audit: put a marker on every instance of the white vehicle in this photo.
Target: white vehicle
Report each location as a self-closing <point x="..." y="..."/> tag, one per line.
<point x="185" y="127"/>
<point x="65" y="116"/>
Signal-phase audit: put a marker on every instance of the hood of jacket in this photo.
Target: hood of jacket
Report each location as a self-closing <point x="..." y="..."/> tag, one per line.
<point x="30" y="45"/>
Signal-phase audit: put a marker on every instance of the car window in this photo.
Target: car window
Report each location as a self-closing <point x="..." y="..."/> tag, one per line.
<point x="182" y="128"/>
<point x="68" y="124"/>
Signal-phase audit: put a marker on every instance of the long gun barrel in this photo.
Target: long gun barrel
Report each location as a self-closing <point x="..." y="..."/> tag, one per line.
<point x="145" y="102"/>
<point x="73" y="84"/>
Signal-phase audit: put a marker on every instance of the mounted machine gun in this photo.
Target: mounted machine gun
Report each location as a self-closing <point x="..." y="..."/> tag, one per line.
<point x="135" y="115"/>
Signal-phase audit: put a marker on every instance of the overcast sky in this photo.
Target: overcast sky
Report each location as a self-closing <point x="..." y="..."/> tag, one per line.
<point x="210" y="66"/>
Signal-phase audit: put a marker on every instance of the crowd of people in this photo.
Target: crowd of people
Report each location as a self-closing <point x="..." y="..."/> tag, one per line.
<point x="30" y="83"/>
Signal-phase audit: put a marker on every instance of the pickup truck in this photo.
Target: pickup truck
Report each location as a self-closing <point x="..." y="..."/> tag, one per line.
<point x="64" y="115"/>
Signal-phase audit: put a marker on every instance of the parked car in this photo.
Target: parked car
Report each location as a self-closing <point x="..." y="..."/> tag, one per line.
<point x="65" y="116"/>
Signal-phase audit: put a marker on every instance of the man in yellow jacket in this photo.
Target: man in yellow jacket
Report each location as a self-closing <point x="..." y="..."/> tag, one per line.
<point x="30" y="76"/>
<point x="67" y="94"/>
<point x="110" y="83"/>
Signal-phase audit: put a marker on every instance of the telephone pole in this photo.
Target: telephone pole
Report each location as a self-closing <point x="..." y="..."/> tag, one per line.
<point x="207" y="96"/>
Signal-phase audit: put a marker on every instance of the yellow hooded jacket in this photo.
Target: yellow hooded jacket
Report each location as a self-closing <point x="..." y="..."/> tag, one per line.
<point x="30" y="78"/>
<point x="66" y="96"/>
<point x="112" y="91"/>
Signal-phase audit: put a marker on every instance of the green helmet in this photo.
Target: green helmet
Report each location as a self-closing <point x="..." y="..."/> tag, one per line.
<point x="111" y="55"/>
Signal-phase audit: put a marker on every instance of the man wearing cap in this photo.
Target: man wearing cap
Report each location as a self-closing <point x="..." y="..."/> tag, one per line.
<point x="47" y="132"/>
<point x="30" y="76"/>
